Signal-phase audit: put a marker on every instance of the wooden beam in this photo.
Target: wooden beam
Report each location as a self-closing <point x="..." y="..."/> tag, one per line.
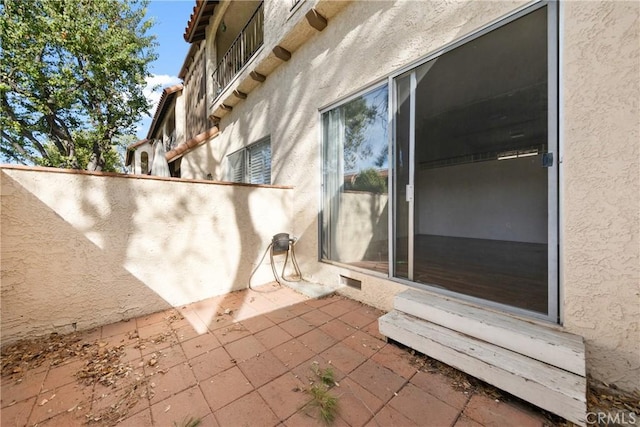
<point x="226" y="107"/>
<point x="257" y="76"/>
<point x="316" y="20"/>
<point x="282" y="53"/>
<point x="239" y="94"/>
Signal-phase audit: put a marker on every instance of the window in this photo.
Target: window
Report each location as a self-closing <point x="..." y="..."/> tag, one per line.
<point x="472" y="209"/>
<point x="144" y="163"/>
<point x="251" y="164"/>
<point x="355" y="171"/>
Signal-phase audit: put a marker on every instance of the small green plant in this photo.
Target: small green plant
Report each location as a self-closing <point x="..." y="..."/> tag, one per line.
<point x="326" y="403"/>
<point x="188" y="422"/>
<point x="320" y="393"/>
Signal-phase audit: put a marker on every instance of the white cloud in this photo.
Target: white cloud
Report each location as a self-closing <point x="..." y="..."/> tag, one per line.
<point x="155" y="84"/>
<point x="153" y="91"/>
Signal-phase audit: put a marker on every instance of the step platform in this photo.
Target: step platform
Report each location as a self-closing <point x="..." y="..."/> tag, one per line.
<point x="537" y="363"/>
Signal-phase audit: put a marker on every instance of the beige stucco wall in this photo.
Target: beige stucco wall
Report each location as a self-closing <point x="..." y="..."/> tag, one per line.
<point x="600" y="200"/>
<point x="81" y="250"/>
<point x="362" y="226"/>
<point x="599" y="235"/>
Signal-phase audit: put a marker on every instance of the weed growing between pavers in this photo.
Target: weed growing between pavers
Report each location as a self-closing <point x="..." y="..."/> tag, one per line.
<point x="188" y="422"/>
<point x="326" y="403"/>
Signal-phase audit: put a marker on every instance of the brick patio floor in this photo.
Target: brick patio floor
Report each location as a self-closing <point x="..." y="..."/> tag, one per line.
<point x="253" y="366"/>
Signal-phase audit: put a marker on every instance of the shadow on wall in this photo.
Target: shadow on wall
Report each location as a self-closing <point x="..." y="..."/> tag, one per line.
<point x="81" y="250"/>
<point x="57" y="278"/>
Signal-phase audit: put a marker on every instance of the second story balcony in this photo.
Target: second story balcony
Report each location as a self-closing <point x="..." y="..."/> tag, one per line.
<point x="247" y="42"/>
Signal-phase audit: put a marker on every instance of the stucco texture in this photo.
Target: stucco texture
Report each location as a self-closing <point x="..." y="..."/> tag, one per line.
<point x="600" y="190"/>
<point x="81" y="250"/>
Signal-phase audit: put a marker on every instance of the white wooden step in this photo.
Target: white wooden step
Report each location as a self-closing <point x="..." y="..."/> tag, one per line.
<point x="557" y="348"/>
<point x="546" y="386"/>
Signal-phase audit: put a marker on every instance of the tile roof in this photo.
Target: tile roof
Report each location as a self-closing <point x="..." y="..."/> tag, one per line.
<point x="185" y="147"/>
<point x="168" y="94"/>
<point x="199" y="19"/>
<point x="131" y="148"/>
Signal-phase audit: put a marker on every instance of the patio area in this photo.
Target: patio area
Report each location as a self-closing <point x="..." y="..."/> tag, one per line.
<point x="249" y="358"/>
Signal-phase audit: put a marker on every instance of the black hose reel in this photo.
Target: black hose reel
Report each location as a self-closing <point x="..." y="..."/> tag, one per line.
<point x="282" y="244"/>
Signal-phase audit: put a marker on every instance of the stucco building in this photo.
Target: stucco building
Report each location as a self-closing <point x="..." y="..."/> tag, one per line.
<point x="502" y="138"/>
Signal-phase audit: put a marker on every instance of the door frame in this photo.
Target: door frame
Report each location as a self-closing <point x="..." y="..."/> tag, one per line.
<point x="553" y="267"/>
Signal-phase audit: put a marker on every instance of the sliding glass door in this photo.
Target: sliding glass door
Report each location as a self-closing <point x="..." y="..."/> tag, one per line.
<point x="474" y="170"/>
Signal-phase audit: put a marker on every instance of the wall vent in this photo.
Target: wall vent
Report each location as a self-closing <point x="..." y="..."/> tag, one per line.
<point x="352" y="283"/>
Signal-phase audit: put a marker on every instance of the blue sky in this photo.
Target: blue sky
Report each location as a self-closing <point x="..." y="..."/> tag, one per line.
<point x="171" y="17"/>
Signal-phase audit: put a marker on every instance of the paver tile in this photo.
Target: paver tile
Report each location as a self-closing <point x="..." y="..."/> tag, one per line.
<point x="225" y="387"/>
<point x="422" y="408"/>
<point x="292" y="353"/>
<point x="309" y="416"/>
<point x="363" y="343"/>
<point x="297" y="326"/>
<point x="209" y="421"/>
<point x="273" y="336"/>
<point x="280" y="315"/>
<point x="17" y="414"/>
<point x="335" y="309"/>
<point x="60" y="375"/>
<point x="187" y="332"/>
<point x="178" y="408"/>
<point x="140" y="419"/>
<point x="200" y="344"/>
<point x="245" y="348"/>
<point x="153" y="330"/>
<point x="197" y="361"/>
<point x="378" y="380"/>
<point x="464" y="421"/>
<point x="163" y="384"/>
<point x="262" y="368"/>
<point x="374" y="330"/>
<point x="396" y="359"/>
<point x="15" y="390"/>
<point x="441" y="387"/>
<point x="356" y="319"/>
<point x="257" y="324"/>
<point x="316" y="317"/>
<point x="61" y="399"/>
<point x="166" y="357"/>
<point x="337" y="329"/>
<point x="308" y="371"/>
<point x="489" y="413"/>
<point x="211" y="363"/>
<point x="108" y="401"/>
<point x="64" y="419"/>
<point x="236" y="413"/>
<point x="123" y="327"/>
<point x="231" y="333"/>
<point x="355" y="404"/>
<point x="285" y="395"/>
<point x="388" y="416"/>
<point x="319" y="302"/>
<point x="300" y="308"/>
<point x="343" y="357"/>
<point x="317" y="340"/>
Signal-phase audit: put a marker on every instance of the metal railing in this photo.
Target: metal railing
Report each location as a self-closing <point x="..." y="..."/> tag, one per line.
<point x="242" y="49"/>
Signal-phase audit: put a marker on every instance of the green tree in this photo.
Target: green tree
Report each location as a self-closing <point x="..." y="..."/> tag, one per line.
<point x="71" y="79"/>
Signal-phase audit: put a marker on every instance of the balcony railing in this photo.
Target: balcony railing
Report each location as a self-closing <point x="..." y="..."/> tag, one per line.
<point x="242" y="49"/>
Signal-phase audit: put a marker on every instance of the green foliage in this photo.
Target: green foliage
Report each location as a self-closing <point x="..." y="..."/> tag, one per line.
<point x="369" y="180"/>
<point x="326" y="403"/>
<point x="71" y="79"/>
<point x="188" y="422"/>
